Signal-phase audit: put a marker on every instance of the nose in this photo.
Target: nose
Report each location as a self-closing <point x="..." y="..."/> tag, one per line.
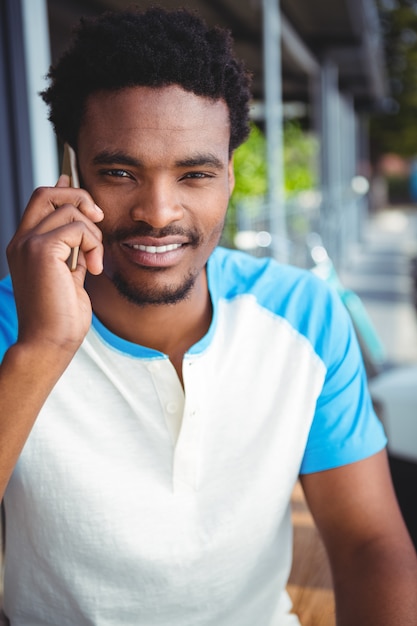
<point x="158" y="204"/>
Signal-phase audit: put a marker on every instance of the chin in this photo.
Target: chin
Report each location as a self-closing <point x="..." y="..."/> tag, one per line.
<point x="156" y="295"/>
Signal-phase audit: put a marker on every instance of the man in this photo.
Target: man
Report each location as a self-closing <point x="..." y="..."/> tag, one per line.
<point x="159" y="402"/>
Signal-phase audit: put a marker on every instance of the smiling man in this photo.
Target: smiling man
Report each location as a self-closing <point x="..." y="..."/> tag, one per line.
<point x="162" y="175"/>
<point x="159" y="402"/>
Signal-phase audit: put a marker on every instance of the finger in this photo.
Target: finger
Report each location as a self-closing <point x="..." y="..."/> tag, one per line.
<point x="52" y="238"/>
<point x="92" y="260"/>
<point x="66" y="214"/>
<point x="45" y="200"/>
<point x="44" y="248"/>
<point x="63" y="181"/>
<point x="89" y="255"/>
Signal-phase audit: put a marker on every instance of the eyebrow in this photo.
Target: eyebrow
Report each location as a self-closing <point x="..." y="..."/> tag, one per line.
<point x="199" y="160"/>
<point x="107" y="157"/>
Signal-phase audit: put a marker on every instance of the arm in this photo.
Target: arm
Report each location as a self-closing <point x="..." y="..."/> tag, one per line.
<point x="373" y="561"/>
<point x="54" y="310"/>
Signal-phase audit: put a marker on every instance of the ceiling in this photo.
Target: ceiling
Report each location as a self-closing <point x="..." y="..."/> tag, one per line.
<point x="344" y="31"/>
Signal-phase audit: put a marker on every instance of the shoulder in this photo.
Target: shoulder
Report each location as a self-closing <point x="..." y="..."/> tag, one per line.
<point x="307" y="303"/>
<point x="237" y="272"/>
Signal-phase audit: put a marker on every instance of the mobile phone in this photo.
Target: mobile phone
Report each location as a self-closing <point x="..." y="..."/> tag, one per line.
<point x="69" y="167"/>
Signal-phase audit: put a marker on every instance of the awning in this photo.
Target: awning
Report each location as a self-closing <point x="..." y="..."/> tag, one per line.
<point x="346" y="31"/>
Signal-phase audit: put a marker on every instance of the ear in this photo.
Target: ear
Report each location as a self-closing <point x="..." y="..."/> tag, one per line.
<point x="231" y="175"/>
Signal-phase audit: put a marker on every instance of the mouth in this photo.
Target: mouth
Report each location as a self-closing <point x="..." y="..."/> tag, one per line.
<point x="152" y="254"/>
<point x="155" y="249"/>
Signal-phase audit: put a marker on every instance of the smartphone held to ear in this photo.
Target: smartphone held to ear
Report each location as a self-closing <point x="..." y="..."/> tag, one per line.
<point x="69" y="167"/>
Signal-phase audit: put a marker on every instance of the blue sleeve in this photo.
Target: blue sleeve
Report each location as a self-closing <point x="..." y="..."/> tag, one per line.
<point x="8" y="317"/>
<point x="345" y="428"/>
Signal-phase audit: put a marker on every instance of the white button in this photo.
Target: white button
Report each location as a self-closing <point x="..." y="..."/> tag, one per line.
<point x="172" y="407"/>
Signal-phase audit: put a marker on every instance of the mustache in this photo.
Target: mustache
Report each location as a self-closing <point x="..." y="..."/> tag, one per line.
<point x="145" y="230"/>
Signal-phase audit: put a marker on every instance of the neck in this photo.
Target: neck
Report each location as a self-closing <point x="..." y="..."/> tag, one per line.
<point x="171" y="329"/>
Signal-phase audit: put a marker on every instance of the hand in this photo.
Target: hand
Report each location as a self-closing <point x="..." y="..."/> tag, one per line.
<point x="53" y="307"/>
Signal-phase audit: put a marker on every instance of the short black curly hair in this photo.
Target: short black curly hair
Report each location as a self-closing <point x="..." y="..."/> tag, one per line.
<point x="152" y="48"/>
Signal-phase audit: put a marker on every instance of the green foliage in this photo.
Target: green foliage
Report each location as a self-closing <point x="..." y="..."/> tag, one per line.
<point x="300" y="159"/>
<point x="250" y="179"/>
<point x="394" y="129"/>
<point x="300" y="156"/>
<point x="250" y="167"/>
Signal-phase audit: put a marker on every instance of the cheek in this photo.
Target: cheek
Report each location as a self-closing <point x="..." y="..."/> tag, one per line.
<point x="116" y="212"/>
<point x="214" y="226"/>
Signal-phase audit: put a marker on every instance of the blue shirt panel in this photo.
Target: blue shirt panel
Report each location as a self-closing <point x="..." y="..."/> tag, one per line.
<point x="8" y="316"/>
<point x="345" y="427"/>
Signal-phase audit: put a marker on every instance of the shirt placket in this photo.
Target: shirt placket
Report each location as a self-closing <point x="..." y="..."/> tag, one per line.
<point x="183" y="419"/>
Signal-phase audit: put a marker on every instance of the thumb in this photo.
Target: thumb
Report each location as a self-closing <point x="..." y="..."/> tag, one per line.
<point x="63" y="181"/>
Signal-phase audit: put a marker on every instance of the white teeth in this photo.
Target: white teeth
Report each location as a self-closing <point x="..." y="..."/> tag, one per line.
<point x="157" y="249"/>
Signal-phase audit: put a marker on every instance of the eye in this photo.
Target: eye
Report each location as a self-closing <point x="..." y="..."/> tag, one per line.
<point x="116" y="173"/>
<point x="196" y="176"/>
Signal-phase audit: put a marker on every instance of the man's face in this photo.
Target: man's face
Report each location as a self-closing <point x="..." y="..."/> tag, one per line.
<point x="157" y="162"/>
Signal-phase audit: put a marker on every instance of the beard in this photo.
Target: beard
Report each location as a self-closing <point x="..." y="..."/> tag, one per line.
<point x="158" y="295"/>
<point x="146" y="295"/>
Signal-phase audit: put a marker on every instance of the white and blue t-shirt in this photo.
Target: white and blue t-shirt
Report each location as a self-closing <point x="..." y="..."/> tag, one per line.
<point x="136" y="501"/>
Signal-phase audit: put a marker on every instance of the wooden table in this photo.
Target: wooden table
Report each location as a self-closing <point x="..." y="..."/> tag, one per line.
<point x="310" y="584"/>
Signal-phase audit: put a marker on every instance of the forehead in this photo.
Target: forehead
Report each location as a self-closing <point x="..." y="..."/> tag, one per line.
<point x="158" y="115"/>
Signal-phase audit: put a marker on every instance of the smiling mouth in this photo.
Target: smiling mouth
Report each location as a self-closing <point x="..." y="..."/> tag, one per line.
<point x="156" y="249"/>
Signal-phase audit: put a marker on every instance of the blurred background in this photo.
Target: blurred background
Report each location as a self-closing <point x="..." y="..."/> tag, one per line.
<point x="326" y="181"/>
<point x="333" y="104"/>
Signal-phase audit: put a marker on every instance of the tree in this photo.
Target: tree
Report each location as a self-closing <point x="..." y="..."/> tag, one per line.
<point x="300" y="155"/>
<point x="394" y="129"/>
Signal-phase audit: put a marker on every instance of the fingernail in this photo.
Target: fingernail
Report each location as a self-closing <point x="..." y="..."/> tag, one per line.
<point x="97" y="208"/>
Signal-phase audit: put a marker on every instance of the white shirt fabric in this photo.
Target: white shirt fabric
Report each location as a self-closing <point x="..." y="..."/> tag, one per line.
<point x="141" y="503"/>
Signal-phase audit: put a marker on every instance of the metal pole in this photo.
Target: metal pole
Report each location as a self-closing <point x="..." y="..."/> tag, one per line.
<point x="37" y="58"/>
<point x="274" y="125"/>
<point x="330" y="156"/>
